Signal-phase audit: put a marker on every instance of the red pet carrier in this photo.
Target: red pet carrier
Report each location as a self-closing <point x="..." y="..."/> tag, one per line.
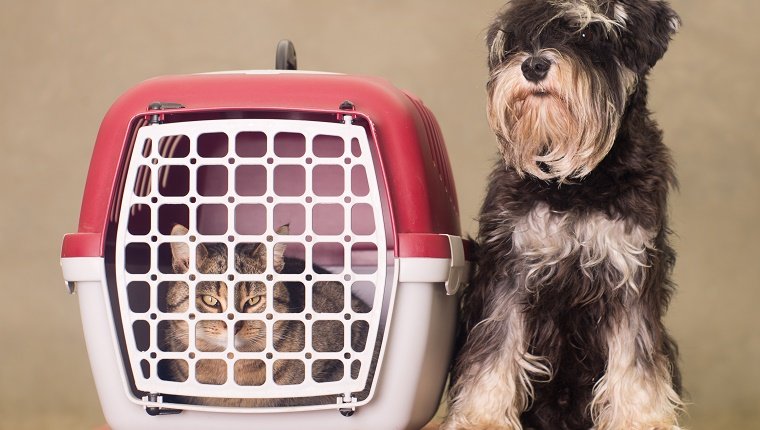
<point x="268" y="249"/>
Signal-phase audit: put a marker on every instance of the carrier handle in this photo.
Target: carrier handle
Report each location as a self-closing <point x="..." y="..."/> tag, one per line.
<point x="286" y="56"/>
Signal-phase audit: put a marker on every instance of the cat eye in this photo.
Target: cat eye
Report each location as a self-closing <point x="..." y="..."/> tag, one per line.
<point x="253" y="301"/>
<point x="210" y="300"/>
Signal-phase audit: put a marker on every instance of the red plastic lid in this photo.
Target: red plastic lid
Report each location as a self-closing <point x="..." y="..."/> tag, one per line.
<point x="413" y="160"/>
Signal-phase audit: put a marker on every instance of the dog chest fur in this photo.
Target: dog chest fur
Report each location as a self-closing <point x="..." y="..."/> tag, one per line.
<point x="608" y="251"/>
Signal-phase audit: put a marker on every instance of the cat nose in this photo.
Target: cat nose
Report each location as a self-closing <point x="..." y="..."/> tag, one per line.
<point x="238" y="326"/>
<point x="535" y="68"/>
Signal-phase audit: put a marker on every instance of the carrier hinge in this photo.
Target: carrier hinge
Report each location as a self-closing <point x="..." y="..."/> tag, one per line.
<point x="347" y="404"/>
<point x="157" y="410"/>
<point x="157" y="118"/>
<point x="348" y="106"/>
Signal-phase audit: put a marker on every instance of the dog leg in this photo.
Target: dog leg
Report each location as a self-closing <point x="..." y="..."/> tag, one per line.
<point x="636" y="392"/>
<point x="493" y="386"/>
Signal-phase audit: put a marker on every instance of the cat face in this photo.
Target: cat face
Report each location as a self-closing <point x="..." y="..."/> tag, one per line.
<point x="212" y="296"/>
<point x="250" y="335"/>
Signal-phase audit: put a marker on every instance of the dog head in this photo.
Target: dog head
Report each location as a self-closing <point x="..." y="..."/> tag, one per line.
<point x="562" y="72"/>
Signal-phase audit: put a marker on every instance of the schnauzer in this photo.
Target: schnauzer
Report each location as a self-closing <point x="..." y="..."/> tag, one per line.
<point x="563" y="321"/>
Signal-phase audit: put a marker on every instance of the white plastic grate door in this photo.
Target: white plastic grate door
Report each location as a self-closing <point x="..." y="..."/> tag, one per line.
<point x="251" y="259"/>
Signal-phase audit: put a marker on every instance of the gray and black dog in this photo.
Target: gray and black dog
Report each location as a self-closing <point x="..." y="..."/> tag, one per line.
<point x="563" y="320"/>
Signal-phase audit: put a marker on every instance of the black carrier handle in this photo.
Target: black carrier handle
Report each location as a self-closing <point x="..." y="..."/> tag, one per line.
<point x="286" y="56"/>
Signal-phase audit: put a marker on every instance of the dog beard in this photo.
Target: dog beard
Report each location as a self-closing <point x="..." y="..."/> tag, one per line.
<point x="561" y="127"/>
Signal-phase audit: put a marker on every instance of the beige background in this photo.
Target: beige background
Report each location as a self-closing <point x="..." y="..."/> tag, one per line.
<point x="63" y="63"/>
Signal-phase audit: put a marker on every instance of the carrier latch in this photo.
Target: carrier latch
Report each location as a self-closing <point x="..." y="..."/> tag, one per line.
<point x="458" y="270"/>
<point x="428" y="257"/>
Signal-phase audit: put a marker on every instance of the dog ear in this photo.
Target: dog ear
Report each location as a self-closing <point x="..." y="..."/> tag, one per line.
<point x="491" y="38"/>
<point x="495" y="39"/>
<point x="651" y="24"/>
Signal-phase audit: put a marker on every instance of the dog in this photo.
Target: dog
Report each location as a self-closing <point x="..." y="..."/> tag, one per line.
<point x="563" y="318"/>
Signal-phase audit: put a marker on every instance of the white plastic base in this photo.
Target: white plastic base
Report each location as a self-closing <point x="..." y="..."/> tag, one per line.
<point x="412" y="374"/>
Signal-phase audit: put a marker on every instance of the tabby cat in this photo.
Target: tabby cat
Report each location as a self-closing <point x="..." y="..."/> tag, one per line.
<point x="250" y="335"/>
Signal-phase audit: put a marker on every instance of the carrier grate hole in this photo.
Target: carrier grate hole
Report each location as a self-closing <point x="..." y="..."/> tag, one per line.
<point x="211" y="372"/>
<point x="250" y="372"/>
<point x="289" y="372"/>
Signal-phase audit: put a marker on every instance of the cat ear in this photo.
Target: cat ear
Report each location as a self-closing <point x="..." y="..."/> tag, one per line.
<point x="179" y="230"/>
<point x="181" y="252"/>
<point x="279" y="249"/>
<point x="279" y="259"/>
<point x="253" y="257"/>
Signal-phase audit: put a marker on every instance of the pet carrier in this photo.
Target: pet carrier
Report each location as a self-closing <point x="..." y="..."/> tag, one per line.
<point x="268" y="249"/>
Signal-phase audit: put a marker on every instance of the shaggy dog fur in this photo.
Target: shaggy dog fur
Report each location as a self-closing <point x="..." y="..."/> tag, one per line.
<point x="563" y="319"/>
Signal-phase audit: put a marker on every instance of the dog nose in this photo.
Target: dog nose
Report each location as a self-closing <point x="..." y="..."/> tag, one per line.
<point x="535" y="68"/>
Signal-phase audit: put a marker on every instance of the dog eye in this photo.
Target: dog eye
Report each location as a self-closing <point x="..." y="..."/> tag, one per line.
<point x="593" y="33"/>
